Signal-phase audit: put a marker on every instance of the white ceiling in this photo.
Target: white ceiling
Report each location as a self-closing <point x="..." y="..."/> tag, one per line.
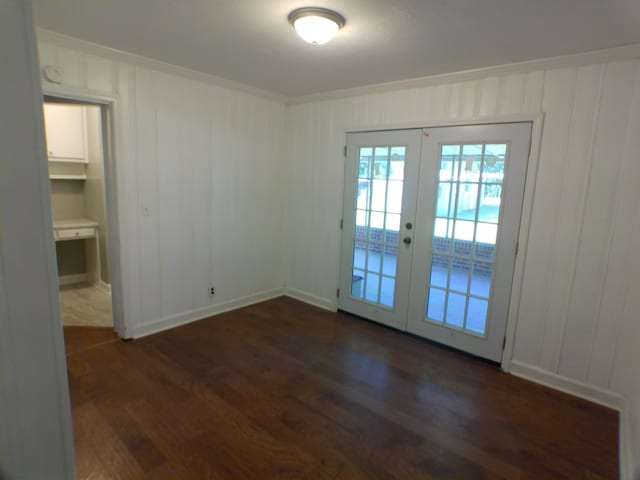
<point x="250" y="41"/>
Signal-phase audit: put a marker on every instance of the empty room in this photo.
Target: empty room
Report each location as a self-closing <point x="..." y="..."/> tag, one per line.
<point x="356" y="239"/>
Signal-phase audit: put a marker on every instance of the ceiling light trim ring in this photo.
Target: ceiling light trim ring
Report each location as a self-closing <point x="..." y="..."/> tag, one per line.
<point x="317" y="12"/>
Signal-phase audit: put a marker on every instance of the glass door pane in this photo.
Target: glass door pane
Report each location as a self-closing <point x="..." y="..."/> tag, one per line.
<point x="376" y="230"/>
<point x="469" y="192"/>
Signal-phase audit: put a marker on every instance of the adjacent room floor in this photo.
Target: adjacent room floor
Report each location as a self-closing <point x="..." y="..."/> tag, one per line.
<point x="84" y="304"/>
<point x="285" y="390"/>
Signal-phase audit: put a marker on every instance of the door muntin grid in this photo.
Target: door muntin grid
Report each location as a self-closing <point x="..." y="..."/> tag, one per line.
<point x="376" y="235"/>
<point x="466" y="220"/>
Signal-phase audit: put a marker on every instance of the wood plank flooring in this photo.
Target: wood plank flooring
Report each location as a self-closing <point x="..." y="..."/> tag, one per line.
<point x="286" y="390"/>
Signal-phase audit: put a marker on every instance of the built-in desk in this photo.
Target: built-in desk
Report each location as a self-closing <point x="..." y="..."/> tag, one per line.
<point x="86" y="230"/>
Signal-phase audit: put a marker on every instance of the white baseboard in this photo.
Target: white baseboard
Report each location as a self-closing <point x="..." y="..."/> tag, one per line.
<point x="592" y="393"/>
<point x="311" y="299"/>
<point x="624" y="445"/>
<point x="104" y="286"/>
<point x="627" y="456"/>
<point x="71" y="279"/>
<point x="202" y="313"/>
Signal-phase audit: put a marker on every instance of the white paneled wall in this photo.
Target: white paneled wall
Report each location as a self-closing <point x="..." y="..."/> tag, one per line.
<point x="204" y="164"/>
<point x="580" y="277"/>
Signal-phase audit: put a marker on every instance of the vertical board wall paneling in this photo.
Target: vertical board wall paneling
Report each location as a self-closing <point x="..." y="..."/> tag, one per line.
<point x="100" y="74"/>
<point x="489" y="89"/>
<point x="533" y="92"/>
<point x="624" y="376"/>
<point x="47" y="54"/>
<point x="128" y="200"/>
<point x="595" y="236"/>
<point x="147" y="208"/>
<point x="456" y="100"/>
<point x="220" y="135"/>
<point x="441" y="102"/>
<point x="174" y="232"/>
<point x="73" y="67"/>
<point x="512" y="96"/>
<point x="174" y="137"/>
<point x="559" y="87"/>
<point x="467" y="107"/>
<point x="328" y="167"/>
<point x="299" y="201"/>
<point x="574" y="171"/>
<point x="620" y="283"/>
<point x="199" y="157"/>
<point x="627" y="355"/>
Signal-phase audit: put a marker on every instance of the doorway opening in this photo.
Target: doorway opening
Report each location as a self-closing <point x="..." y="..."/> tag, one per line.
<point x="77" y="137"/>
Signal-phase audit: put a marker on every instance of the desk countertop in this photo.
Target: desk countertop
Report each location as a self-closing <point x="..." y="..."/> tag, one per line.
<point x="74" y="223"/>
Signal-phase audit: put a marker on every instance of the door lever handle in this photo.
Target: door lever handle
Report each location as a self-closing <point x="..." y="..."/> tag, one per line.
<point x="407" y="240"/>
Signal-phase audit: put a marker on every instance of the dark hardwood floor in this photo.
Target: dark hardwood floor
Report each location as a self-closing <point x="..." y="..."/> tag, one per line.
<point x="286" y="390"/>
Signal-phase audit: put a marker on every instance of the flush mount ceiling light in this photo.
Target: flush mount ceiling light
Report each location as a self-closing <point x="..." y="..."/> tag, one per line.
<point x="316" y="25"/>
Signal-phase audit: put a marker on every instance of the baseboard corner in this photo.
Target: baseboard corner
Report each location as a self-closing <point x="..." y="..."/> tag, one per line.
<point x="311" y="299"/>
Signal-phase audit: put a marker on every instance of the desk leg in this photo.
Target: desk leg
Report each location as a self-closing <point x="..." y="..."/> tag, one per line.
<point x="92" y="250"/>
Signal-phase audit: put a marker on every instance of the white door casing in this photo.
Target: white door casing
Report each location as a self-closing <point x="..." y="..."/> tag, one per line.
<point x="455" y="234"/>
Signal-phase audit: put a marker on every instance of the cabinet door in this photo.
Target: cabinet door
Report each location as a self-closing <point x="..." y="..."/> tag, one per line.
<point x="65" y="129"/>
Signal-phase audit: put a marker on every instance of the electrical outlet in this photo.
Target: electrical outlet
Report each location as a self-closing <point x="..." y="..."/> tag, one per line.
<point x="212" y="291"/>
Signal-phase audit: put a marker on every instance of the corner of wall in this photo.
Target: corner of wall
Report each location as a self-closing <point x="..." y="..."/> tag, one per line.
<point x="311" y="299"/>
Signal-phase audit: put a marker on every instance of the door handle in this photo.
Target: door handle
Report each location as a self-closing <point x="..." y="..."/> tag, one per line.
<point x="407" y="240"/>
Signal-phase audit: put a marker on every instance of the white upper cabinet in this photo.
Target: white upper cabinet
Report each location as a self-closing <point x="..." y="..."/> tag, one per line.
<point x="66" y="132"/>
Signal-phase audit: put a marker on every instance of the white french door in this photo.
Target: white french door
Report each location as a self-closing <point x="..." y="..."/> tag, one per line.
<point x="380" y="201"/>
<point x="430" y="227"/>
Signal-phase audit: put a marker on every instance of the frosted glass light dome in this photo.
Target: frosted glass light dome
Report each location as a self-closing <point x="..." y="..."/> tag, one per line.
<point x="316" y="25"/>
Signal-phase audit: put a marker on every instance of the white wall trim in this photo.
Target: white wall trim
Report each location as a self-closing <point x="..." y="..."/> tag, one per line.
<point x="104" y="286"/>
<point x="190" y="316"/>
<point x="536" y="119"/>
<point x="83" y="46"/>
<point x="531" y="179"/>
<point x="71" y="279"/>
<point x="624" y="444"/>
<point x="568" y="385"/>
<point x="311" y="299"/>
<point x="485" y="120"/>
<point x="627" y="52"/>
<point x="110" y="116"/>
<point x="78" y="93"/>
<point x="593" y="394"/>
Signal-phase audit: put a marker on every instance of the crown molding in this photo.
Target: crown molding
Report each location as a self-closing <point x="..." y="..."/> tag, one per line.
<point x="83" y="46"/>
<point x="626" y="52"/>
